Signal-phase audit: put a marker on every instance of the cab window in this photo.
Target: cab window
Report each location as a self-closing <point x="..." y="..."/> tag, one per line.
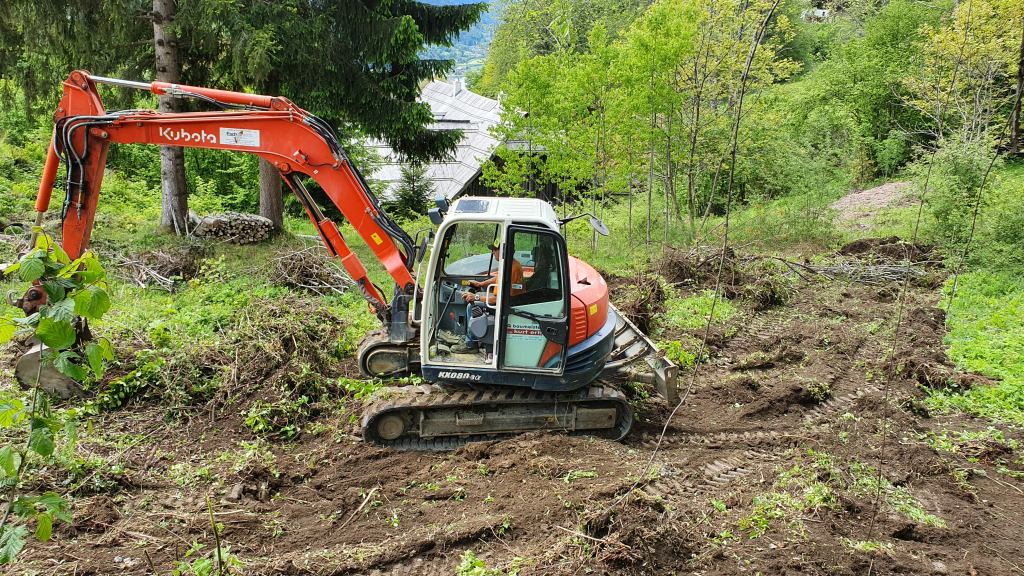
<point x="466" y="252"/>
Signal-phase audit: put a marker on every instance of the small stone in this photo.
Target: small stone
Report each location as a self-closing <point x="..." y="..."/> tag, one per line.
<point x="939" y="567"/>
<point x="118" y="559"/>
<point x="235" y="494"/>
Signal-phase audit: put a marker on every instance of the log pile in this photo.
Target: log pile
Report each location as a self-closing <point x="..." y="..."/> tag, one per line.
<point x="233" y="227"/>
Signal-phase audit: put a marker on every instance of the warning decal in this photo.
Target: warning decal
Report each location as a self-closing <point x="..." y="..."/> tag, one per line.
<point x="239" y="137"/>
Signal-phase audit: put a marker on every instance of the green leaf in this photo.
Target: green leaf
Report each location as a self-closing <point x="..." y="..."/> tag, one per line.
<point x="53" y="502"/>
<point x="27" y="321"/>
<point x="54" y="292"/>
<point x="11" y="413"/>
<point x="45" y="527"/>
<point x="64" y="362"/>
<point x="68" y="283"/>
<point x="92" y="303"/>
<point x="92" y="270"/>
<point x="7" y="330"/>
<point x="32" y="269"/>
<point x="12" y="267"/>
<point x="56" y="335"/>
<point x="108" y="349"/>
<point x="12" y="540"/>
<point x="95" y="354"/>
<point x="60" y="255"/>
<point x="41" y="438"/>
<point x="100" y="302"/>
<point x="62" y="311"/>
<point x="203" y="567"/>
<point x="7" y="462"/>
<point x="43" y="240"/>
<point x="82" y="301"/>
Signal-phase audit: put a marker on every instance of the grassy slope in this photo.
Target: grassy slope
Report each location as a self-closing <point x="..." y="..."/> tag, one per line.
<point x="986" y="321"/>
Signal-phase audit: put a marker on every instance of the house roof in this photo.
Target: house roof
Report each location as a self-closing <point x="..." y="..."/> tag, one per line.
<point x="454" y="107"/>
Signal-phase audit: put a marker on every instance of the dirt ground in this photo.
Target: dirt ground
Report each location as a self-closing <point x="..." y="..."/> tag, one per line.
<point x="799" y="449"/>
<point x="858" y="207"/>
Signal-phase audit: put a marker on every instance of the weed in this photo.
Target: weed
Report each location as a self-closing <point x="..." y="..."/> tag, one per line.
<point x="819" y="390"/>
<point x="577" y="474"/>
<point x="986" y="323"/>
<point x="683" y="352"/>
<point x="470" y="565"/>
<point x="868" y="483"/>
<point x="869" y="546"/>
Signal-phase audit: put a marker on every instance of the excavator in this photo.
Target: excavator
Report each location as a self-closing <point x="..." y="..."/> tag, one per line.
<point x="510" y="333"/>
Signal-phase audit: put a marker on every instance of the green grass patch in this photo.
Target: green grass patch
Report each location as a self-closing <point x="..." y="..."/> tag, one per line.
<point x="986" y="322"/>
<point x="868" y="483"/>
<point x="693" y="312"/>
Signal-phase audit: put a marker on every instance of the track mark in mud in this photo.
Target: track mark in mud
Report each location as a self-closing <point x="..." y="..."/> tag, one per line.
<point x="832" y="407"/>
<point x="721" y="473"/>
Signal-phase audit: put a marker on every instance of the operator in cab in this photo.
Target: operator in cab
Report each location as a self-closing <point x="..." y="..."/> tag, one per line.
<point x="476" y="303"/>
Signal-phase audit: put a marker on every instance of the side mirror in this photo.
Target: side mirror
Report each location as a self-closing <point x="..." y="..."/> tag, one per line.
<point x="436" y="217"/>
<point x="595" y="222"/>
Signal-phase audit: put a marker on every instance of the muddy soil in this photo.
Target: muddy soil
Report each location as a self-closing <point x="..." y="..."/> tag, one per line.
<point x="799" y="449"/>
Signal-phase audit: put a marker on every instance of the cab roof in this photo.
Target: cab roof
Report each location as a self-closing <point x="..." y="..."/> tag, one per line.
<point x="517" y="209"/>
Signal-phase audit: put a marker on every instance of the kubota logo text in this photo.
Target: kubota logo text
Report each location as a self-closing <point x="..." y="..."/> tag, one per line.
<point x="176" y="135"/>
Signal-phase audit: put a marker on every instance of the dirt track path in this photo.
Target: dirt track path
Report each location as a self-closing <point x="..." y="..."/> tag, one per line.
<point x="859" y="207"/>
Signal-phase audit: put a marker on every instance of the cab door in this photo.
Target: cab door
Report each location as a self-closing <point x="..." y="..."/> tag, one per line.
<point x="534" y="315"/>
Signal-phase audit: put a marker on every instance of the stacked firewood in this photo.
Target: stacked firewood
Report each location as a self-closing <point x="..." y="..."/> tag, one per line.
<point x="233" y="227"/>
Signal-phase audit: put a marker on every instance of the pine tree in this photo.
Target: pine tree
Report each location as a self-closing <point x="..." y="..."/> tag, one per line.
<point x="414" y="193"/>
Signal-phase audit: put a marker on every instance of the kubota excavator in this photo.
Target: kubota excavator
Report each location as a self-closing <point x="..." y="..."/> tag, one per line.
<point x="523" y="354"/>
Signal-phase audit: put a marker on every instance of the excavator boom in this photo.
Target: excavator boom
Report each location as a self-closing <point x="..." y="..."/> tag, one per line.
<point x="296" y="142"/>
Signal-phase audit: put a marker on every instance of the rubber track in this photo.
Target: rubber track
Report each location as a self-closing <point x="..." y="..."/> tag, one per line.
<point x="449" y="395"/>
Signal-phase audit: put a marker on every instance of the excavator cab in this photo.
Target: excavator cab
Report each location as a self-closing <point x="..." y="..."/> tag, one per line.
<point x="519" y="321"/>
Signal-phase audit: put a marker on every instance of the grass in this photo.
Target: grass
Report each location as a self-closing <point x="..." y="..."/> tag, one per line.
<point x="693" y="311"/>
<point x="986" y="322"/>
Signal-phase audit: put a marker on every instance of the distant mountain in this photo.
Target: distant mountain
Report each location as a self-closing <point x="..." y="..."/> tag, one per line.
<point x="470" y="50"/>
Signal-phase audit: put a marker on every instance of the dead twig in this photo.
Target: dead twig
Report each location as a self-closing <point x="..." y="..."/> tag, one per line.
<point x="365" y="500"/>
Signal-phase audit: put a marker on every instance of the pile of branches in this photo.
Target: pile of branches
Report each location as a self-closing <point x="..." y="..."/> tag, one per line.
<point x="158" y="268"/>
<point x="310" y="269"/>
<point x="233" y="227"/>
<point x="855" y="270"/>
<point x="699" y="265"/>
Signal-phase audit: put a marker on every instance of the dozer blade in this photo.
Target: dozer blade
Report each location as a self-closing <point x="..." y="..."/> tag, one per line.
<point x="635" y="356"/>
<point x="28" y="369"/>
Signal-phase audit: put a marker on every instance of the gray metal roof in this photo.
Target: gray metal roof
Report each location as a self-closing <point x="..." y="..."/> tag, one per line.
<point x="454" y="107"/>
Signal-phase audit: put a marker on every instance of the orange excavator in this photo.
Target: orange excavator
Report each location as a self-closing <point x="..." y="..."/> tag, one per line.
<point x="512" y="333"/>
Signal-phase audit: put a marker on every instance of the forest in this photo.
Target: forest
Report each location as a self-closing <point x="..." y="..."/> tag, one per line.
<point x="816" y="211"/>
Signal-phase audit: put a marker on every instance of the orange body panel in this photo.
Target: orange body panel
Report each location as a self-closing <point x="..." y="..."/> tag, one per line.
<point x="589" y="301"/>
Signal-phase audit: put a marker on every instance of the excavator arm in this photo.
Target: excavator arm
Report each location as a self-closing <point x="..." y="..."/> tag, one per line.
<point x="298" y="143"/>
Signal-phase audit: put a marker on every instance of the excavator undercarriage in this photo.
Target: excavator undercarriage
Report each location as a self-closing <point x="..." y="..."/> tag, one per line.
<point x="446" y="415"/>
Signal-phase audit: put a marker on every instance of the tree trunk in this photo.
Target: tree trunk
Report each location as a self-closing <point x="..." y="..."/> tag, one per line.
<point x="1015" y="136"/>
<point x="271" y="196"/>
<point x="174" y="195"/>
<point x="650" y="167"/>
<point x="669" y="173"/>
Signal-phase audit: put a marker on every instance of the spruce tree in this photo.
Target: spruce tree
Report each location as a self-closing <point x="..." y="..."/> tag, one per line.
<point x="413" y="195"/>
